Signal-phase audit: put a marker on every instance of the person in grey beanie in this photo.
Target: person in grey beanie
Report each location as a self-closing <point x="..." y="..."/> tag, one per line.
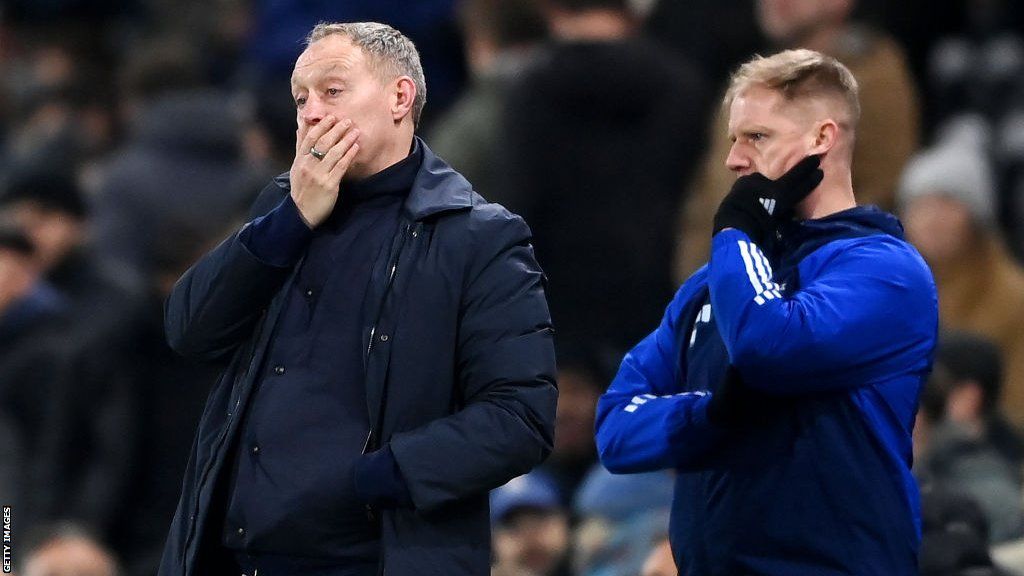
<point x="947" y="201"/>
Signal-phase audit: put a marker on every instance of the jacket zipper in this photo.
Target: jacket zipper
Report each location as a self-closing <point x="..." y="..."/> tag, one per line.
<point x="368" y="444"/>
<point x="392" y="271"/>
<point x="387" y="287"/>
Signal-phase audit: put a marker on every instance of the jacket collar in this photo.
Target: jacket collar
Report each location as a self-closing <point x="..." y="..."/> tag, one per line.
<point x="798" y="239"/>
<point x="437" y="188"/>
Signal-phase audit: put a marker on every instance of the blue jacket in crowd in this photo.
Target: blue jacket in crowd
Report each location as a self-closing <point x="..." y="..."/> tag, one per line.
<point x="838" y="341"/>
<point x="459" y="371"/>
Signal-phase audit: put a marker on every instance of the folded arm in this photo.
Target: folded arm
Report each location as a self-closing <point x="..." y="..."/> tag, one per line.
<point x="646" y="421"/>
<point x="865" y="304"/>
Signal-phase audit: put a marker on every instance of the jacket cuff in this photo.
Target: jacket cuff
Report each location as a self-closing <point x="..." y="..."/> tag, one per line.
<point x="379" y="482"/>
<point x="279" y="237"/>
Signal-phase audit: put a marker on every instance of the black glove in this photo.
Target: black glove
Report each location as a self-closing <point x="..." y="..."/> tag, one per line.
<point x="756" y="204"/>
<point x="734" y="405"/>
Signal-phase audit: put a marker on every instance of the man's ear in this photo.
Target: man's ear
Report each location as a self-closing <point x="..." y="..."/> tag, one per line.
<point x="825" y="137"/>
<point x="402" y="98"/>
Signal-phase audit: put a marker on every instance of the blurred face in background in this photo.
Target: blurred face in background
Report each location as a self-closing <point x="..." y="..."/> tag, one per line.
<point x="939" y="227"/>
<point x="787" y="22"/>
<point x="335" y="77"/>
<point x="574" y="418"/>
<point x="533" y="539"/>
<point x="53" y="233"/>
<point x="769" y="134"/>
<point x="17" y="276"/>
<point x="70" y="557"/>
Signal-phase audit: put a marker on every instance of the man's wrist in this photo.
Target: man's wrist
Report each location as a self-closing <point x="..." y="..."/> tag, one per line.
<point x="279" y="237"/>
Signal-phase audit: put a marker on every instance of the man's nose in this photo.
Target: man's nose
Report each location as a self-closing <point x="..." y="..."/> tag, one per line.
<point x="312" y="112"/>
<point x="736" y="160"/>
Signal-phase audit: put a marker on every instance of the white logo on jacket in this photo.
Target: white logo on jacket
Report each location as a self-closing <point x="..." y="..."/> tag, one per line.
<point x="703" y="318"/>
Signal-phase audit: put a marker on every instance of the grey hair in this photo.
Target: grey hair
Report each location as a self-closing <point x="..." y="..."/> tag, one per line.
<point x="391" y="53"/>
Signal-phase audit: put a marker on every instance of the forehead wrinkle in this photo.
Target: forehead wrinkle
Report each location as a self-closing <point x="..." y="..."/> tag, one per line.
<point x="320" y="65"/>
<point x="313" y="75"/>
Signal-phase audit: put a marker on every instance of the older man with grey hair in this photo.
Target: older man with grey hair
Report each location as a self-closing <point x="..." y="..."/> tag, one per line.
<point x="389" y="345"/>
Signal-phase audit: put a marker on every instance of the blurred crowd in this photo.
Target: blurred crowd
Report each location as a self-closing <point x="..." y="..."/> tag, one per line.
<point x="134" y="134"/>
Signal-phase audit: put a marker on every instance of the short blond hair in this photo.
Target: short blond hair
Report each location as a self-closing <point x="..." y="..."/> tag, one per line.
<point x="798" y="74"/>
<point x="392" y="54"/>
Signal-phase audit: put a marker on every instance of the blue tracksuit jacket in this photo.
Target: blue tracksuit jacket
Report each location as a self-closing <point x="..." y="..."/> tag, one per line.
<point x="839" y="335"/>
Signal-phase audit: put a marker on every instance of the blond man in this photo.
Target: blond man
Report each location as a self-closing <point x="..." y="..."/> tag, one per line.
<point x="783" y="380"/>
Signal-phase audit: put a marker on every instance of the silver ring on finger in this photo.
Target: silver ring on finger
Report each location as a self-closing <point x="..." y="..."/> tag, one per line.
<point x="316" y="153"/>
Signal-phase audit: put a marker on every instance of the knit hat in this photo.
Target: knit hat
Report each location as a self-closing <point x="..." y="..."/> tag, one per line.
<point x="956" y="168"/>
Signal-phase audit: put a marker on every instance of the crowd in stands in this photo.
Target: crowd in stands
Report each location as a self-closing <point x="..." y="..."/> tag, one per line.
<point x="135" y="134"/>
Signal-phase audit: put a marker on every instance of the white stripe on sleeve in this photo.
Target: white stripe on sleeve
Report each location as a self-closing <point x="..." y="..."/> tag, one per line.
<point x="748" y="263"/>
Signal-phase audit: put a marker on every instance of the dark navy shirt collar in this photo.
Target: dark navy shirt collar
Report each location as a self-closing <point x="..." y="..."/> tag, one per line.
<point x="395" y="179"/>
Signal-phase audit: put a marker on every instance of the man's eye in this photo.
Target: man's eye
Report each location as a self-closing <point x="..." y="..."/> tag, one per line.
<point x="333" y="91"/>
<point x="757" y="136"/>
<point x="299" y="102"/>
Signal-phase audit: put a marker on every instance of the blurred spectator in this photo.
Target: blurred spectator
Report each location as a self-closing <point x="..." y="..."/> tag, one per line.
<point x="931" y="412"/>
<point x="501" y="37"/>
<point x="268" y="137"/>
<point x="16" y="280"/>
<point x="221" y="31"/>
<point x="953" y="536"/>
<point x="120" y="422"/>
<point x="26" y="300"/>
<point x="717" y="35"/>
<point x="530" y="527"/>
<point x="67" y="549"/>
<point x="31" y="312"/>
<point x="29" y="309"/>
<point x="600" y="136"/>
<point x="887" y="133"/>
<point x="622" y="518"/>
<point x="61" y="114"/>
<point x="52" y="396"/>
<point x="51" y="208"/>
<point x="660" y="562"/>
<point x="582" y="377"/>
<point x="947" y="205"/>
<point x="180" y="172"/>
<point x="972" y="449"/>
